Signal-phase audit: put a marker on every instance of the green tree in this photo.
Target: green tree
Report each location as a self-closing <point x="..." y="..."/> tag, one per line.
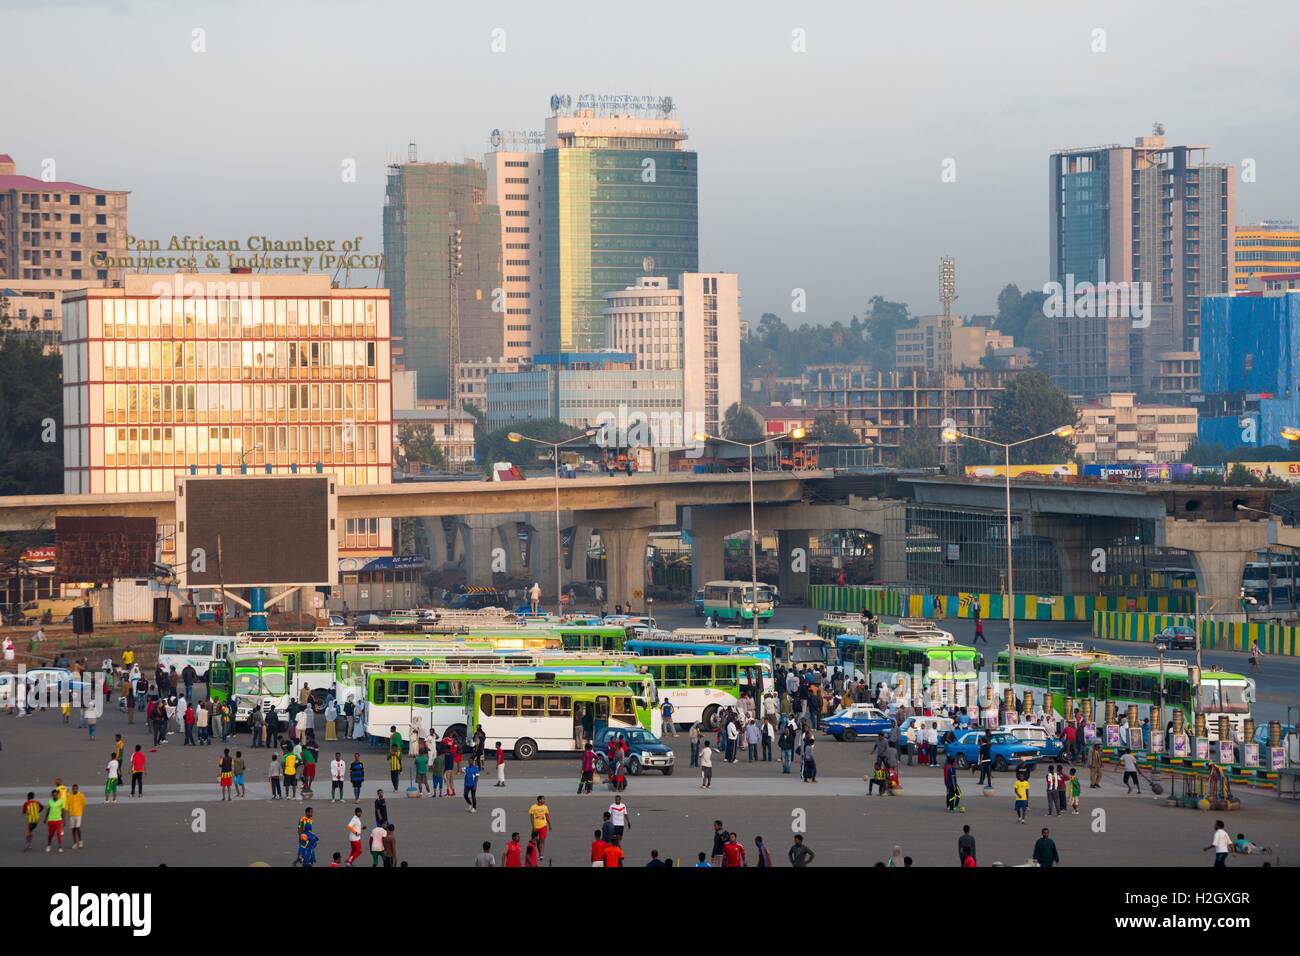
<point x="1030" y="406"/>
<point x="497" y="446"/>
<point x="741" y="424"/>
<point x="420" y="444"/>
<point x="31" y="410"/>
<point x="826" y="428"/>
<point x="917" y="448"/>
<point x="1020" y="315"/>
<point x="1239" y="475"/>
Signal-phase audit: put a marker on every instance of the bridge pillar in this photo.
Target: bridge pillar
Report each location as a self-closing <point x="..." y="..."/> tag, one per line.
<point x="793" y="558"/>
<point x="625" y="556"/>
<point x="707" y="527"/>
<point x="542" y="556"/>
<point x="437" y="539"/>
<point x="1075" y="539"/>
<point x="1219" y="551"/>
<point x="509" y="531"/>
<point x="478" y="536"/>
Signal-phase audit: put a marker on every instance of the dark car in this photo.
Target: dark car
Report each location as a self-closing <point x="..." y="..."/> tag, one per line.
<point x="1179" y="637"/>
<point x="474" y="598"/>
<point x="645" y="751"/>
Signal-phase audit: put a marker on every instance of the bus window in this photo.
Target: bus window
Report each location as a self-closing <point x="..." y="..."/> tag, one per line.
<point x="201" y="648"/>
<point x="532" y="705"/>
<point x="485" y="705"/>
<point x="553" y="704"/>
<point x="446" y="692"/>
<point x="506" y="705"/>
<point x="379" y="692"/>
<point x="421" y="696"/>
<point x="725" y="673"/>
<point x="399" y="691"/>
<point x="701" y="675"/>
<point x="314" y="660"/>
<point x="674" y="675"/>
<point x="602" y="709"/>
<point x="623" y="707"/>
<point x="175" y="645"/>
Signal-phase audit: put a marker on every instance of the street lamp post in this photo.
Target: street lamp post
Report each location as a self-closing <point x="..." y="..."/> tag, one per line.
<point x="953" y="435"/>
<point x="795" y="434"/>
<point x="559" y="542"/>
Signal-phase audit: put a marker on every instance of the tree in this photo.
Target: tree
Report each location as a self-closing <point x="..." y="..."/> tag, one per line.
<point x="1239" y="475"/>
<point x="826" y="428"/>
<point x="1020" y="315"/>
<point x="1030" y="406"/>
<point x="497" y="446"/>
<point x="741" y="424"/>
<point x="420" y="444"/>
<point x="917" y="448"/>
<point x="31" y="410"/>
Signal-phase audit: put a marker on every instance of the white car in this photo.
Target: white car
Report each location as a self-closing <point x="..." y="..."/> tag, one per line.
<point x="907" y="727"/>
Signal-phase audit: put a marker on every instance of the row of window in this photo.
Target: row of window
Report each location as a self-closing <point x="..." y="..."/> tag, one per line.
<point x="255" y="317"/>
<point x="146" y="404"/>
<point x="346" y="358"/>
<point x="188" y="445"/>
<point x="144" y="480"/>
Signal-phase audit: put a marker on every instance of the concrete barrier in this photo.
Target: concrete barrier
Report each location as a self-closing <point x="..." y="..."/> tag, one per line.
<point x="963" y="604"/>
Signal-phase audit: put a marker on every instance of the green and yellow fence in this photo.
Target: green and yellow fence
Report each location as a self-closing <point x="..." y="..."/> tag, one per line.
<point x="1273" y="638"/>
<point x="963" y="604"/>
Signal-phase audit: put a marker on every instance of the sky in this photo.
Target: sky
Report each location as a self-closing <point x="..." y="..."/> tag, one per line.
<point x="821" y="168"/>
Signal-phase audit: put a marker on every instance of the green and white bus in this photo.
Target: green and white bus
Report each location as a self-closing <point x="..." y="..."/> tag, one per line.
<point x="1053" y="670"/>
<point x="699" y="687"/>
<point x="1139" y="680"/>
<point x="735" y="601"/>
<point x="431" y="699"/>
<point x="948" y="672"/>
<point x="251" y="679"/>
<point x="546" y="716"/>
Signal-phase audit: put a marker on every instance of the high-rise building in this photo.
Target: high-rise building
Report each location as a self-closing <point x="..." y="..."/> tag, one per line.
<point x="514" y="186"/>
<point x="619" y="201"/>
<point x="694" y="328"/>
<point x="1268" y="247"/>
<point x="60" y="231"/>
<point x="441" y="234"/>
<point x="168" y="373"/>
<point x="1146" y="231"/>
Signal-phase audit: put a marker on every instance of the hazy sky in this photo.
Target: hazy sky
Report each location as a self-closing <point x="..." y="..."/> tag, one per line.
<point x="819" y="170"/>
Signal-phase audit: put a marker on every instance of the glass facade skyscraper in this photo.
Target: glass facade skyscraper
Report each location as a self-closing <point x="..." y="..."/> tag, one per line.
<point x="620" y="201"/>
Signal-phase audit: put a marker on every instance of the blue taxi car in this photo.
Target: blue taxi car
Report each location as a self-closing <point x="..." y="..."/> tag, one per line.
<point x="860" y="720"/>
<point x="1005" y="750"/>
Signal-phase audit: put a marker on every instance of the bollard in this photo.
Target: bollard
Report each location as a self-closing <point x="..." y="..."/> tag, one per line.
<point x="1275" y="733"/>
<point x="1200" y="725"/>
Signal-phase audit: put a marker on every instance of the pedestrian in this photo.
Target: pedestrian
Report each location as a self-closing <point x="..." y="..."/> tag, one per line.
<point x="1062" y="789"/>
<point x="395" y="766"/>
<point x="953" y="799"/>
<point x="437" y="770"/>
<point x="377" y="836"/>
<point x="720" y="838"/>
<point x="32" y="810"/>
<point x="289" y="769"/>
<point x="76" y="810"/>
<point x="1094" y="767"/>
<point x="1129" y="762"/>
<point x="1050" y="783"/>
<point x="501" y="765"/>
<point x="422" y="773"/>
<point x="337" y="770"/>
<point x="356" y="774"/>
<point x="694" y="737"/>
<point x="669" y="727"/>
<point x="1075" y="790"/>
<point x="540" y="815"/>
<point x="273" y="774"/>
<point x="381" y="808"/>
<point x="598" y="844"/>
<point x="514" y="855"/>
<point x="354" y="836"/>
<point x="733" y="740"/>
<point x="113" y="778"/>
<point x="799" y="854"/>
<point x="137" y="771"/>
<point x="764" y="859"/>
<point x="986" y="761"/>
<point x="310" y="756"/>
<point x="752" y="737"/>
<point x="733" y="852"/>
<point x="226" y="774"/>
<point x="618" y="816"/>
<point x="54" y="820"/>
<point x="390" y="844"/>
<point x="485" y="857"/>
<point x="238" y="768"/>
<point x="787" y="746"/>
<point x="1221" y="844"/>
<point x="965" y="845"/>
<point x="1045" y="853"/>
<point x="470" y="787"/>
<point x="768" y="736"/>
<point x="613" y="854"/>
<point x="588" y="769"/>
<point x="1021" y="788"/>
<point x="706" y="765"/>
<point x="188" y="720"/>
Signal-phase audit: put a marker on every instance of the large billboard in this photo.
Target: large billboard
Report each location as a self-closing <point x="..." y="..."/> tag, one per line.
<point x="255" y="531"/>
<point x="1141" y="471"/>
<point x="1022" y="471"/>
<point x="102" y="549"/>
<point x="1264" y="470"/>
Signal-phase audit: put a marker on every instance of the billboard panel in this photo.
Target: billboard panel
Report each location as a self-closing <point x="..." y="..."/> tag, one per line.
<point x="1021" y="471"/>
<point x="1264" y="470"/>
<point x="101" y="549"/>
<point x="254" y="531"/>
<point x="1141" y="471"/>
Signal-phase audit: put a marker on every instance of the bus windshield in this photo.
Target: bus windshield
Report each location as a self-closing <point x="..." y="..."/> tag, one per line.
<point x="808" y="652"/>
<point x="764" y="594"/>
<point x="1222" y="697"/>
<point x="271" y="682"/>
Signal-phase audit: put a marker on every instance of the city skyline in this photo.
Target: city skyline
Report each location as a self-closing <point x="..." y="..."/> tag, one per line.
<point x="800" y="154"/>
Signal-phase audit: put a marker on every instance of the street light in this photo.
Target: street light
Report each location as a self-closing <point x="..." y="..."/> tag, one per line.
<point x="559" y="542"/>
<point x="794" y="434"/>
<point x="1291" y="433"/>
<point x="951" y="435"/>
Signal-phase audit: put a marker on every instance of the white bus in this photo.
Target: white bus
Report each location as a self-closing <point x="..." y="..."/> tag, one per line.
<point x="546" y="716"/>
<point x="196" y="650"/>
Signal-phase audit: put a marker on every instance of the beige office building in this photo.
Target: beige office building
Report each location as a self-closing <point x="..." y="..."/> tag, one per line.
<point x="1115" y="428"/>
<point x="56" y="230"/>
<point x="514" y="185"/>
<point x="694" y="328"/>
<point x="946" y="342"/>
<point x="205" y="372"/>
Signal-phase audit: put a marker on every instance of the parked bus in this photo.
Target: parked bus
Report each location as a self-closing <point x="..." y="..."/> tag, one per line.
<point x="546" y="716"/>
<point x="948" y="671"/>
<point x="1053" y="670"/>
<point x="431" y="699"/>
<point x="796" y="650"/>
<point x="734" y="601"/>
<point x="196" y="650"/>
<point x="1138" y="680"/>
<point x="583" y="637"/>
<point x="701" y="647"/>
<point x="257" y="679"/>
<point x="699" y="687"/>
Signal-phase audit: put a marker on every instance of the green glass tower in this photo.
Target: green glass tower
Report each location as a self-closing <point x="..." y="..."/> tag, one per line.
<point x="620" y="201"/>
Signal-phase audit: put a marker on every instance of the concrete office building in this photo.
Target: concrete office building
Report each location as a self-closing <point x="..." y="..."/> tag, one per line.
<point x="1268" y="247"/>
<point x="424" y="205"/>
<point x="471" y="378"/>
<point x="1154" y="223"/>
<point x="58" y="231"/>
<point x="946" y="342"/>
<point x="514" y="186"/>
<point x="619" y="201"/>
<point x="172" y="372"/>
<point x="694" y="328"/>
<point x="35" y="306"/>
<point x="1117" y="428"/>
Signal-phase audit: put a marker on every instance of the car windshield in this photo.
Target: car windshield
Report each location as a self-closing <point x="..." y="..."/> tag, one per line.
<point x="633" y="736"/>
<point x="1004" y="739"/>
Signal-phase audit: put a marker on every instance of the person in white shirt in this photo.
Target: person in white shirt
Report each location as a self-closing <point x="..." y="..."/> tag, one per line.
<point x="706" y="765"/>
<point x="355" y="829"/>
<point x="618" y="816"/>
<point x="377" y="836"/>
<point x="1221" y="844"/>
<point x="733" y="737"/>
<point x="110" y="781"/>
<point x="337" y="769"/>
<point x="300" y="724"/>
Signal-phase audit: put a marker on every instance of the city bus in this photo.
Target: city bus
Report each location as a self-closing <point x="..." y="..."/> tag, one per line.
<point x="252" y="679"/>
<point x="1053" y="670"/>
<point x="1139" y="680"/>
<point x="701" y="647"/>
<point x="556" y="716"/>
<point x="195" y="650"/>
<point x="948" y="671"/>
<point x="431" y="698"/>
<point x="586" y="637"/>
<point x="699" y="687"/>
<point x="836" y="623"/>
<point x="734" y="601"/>
<point x="796" y="650"/>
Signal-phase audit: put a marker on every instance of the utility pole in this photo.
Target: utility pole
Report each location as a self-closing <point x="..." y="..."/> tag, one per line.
<point x="947" y="296"/>
<point x="455" y="269"/>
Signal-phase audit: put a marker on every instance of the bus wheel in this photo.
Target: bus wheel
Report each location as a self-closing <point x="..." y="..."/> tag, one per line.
<point x="525" y="749"/>
<point x="709" y="719"/>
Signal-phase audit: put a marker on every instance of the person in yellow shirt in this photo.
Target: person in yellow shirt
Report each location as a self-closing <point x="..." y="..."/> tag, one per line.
<point x="76" y="807"/>
<point x="1021" y="788"/>
<point x="128" y="658"/>
<point x="540" y="815"/>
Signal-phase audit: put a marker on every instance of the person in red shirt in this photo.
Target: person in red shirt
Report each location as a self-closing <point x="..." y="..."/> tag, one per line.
<point x="598" y="849"/>
<point x="501" y="765"/>
<point x="514" y="851"/>
<point x="733" y="854"/>
<point x="613" y="854"/>
<point x="588" y="769"/>
<point x="137" y="771"/>
<point x="530" y="853"/>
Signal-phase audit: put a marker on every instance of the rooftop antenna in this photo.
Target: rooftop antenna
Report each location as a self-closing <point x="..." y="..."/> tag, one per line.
<point x="412" y="154"/>
<point x="1158" y="128"/>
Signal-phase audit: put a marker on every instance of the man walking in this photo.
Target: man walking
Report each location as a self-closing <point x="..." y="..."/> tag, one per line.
<point x="470" y="788"/>
<point x="1221" y="844"/>
<point x="965" y="845"/>
<point x="1129" y="762"/>
<point x="1045" y="854"/>
<point x="337" y="769"/>
<point x="354" y="837"/>
<point x="137" y="771"/>
<point x="501" y="765"/>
